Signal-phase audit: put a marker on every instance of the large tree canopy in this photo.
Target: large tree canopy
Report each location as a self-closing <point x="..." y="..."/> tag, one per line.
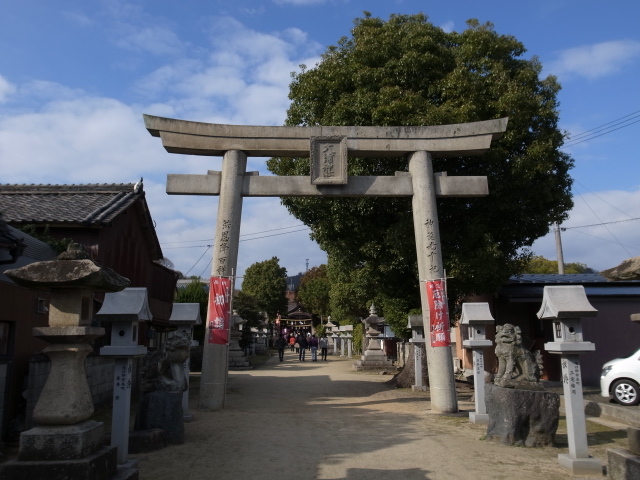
<point x="266" y="282"/>
<point x="406" y="71"/>
<point x="313" y="292"/>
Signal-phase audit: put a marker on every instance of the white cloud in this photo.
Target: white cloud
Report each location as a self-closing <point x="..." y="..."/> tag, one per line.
<point x="244" y="78"/>
<point x="448" y="26"/>
<point x="57" y="134"/>
<point x="6" y="89"/>
<point x="595" y="61"/>
<point x="155" y="40"/>
<point x="78" y="18"/>
<point x="599" y="247"/>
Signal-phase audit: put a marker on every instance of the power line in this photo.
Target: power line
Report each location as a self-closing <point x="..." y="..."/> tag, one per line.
<point x="615" y="122"/>
<point x="606" y="240"/>
<point x="244" y="239"/>
<point x="205" y="268"/>
<point x="603" y="129"/>
<point x="596" y="136"/>
<point x="208" y="247"/>
<point x="243" y="235"/>
<point x="275" y="234"/>
<point x="610" y="232"/>
<point x="599" y="224"/>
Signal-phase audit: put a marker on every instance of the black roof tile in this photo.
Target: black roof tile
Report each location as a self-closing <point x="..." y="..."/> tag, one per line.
<point x="91" y="205"/>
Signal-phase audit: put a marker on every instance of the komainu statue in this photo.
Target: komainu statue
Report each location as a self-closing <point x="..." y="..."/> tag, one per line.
<point x="517" y="367"/>
<point x="164" y="370"/>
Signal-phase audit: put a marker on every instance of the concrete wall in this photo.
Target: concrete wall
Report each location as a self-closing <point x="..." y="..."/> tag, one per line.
<point x="99" y="371"/>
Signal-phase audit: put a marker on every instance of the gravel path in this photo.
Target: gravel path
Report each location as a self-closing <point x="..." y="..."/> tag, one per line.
<point x="322" y="420"/>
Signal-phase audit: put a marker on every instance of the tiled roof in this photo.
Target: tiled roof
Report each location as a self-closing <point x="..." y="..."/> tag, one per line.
<point x="90" y="205"/>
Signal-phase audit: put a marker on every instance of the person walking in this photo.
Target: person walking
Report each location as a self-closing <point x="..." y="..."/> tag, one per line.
<point x="292" y="342"/>
<point x="302" y="342"/>
<point x="313" y="346"/>
<point x="280" y="344"/>
<point x="324" y="346"/>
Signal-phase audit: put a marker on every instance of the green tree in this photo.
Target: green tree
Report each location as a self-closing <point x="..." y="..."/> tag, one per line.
<point x="313" y="292"/>
<point x="267" y="283"/>
<point x="247" y="308"/>
<point x="407" y="71"/>
<point x="539" y="264"/>
<point x="195" y="292"/>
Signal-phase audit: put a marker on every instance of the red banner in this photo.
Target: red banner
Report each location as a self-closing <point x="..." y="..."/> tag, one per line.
<point x="218" y="316"/>
<point x="438" y="314"/>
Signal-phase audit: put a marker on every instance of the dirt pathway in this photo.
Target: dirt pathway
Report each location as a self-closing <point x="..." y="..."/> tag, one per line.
<point x="322" y="420"/>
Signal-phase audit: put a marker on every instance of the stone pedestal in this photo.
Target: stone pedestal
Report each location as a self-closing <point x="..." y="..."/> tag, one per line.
<point x="162" y="410"/>
<point x="373" y="358"/>
<point x="522" y="417"/>
<point x="66" y="452"/>
<point x="625" y="464"/>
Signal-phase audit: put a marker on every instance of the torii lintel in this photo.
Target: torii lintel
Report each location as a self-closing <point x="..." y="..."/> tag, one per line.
<point x="196" y="138"/>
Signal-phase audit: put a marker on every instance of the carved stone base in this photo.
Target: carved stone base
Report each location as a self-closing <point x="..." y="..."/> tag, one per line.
<point x="623" y="464"/>
<point x="581" y="466"/>
<point x="162" y="410"/>
<point x="522" y="417"/>
<point x="373" y="360"/>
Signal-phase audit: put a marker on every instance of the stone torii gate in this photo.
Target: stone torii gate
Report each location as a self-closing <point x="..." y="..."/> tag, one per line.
<point x="329" y="149"/>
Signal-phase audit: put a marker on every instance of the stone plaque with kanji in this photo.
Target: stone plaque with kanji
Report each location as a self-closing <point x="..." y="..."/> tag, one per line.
<point x="329" y="160"/>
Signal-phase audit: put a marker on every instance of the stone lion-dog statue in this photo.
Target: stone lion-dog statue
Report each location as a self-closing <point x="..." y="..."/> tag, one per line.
<point x="517" y="366"/>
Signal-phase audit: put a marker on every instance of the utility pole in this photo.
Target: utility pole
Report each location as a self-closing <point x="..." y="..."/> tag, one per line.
<point x="559" y="249"/>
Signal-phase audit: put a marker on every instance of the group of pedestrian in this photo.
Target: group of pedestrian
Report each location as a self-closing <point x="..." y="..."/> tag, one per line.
<point x="300" y="343"/>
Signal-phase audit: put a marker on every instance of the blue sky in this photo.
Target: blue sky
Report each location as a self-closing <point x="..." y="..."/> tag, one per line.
<point x="76" y="77"/>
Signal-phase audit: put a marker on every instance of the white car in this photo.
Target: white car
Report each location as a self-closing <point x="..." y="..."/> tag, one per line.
<point x="621" y="378"/>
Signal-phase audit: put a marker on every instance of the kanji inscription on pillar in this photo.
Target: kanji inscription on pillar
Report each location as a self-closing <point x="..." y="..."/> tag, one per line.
<point x="328" y="160"/>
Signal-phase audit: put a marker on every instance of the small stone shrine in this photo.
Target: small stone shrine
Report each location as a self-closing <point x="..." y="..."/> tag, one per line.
<point x="520" y="411"/>
<point x="417" y="339"/>
<point x="565" y="306"/>
<point x="475" y="316"/>
<point x="238" y="360"/>
<point x="374" y="357"/>
<point x="185" y="316"/>
<point x="163" y="382"/>
<point x="66" y="444"/>
<point x="124" y="310"/>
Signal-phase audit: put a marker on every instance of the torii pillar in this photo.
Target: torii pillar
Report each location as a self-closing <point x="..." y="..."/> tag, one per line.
<point x="329" y="149"/>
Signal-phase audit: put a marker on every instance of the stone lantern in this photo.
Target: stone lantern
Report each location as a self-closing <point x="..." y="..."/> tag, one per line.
<point x="348" y="339"/>
<point x="475" y="316"/>
<point x="185" y="316"/>
<point x="123" y="310"/>
<point x="64" y="435"/>
<point x="417" y="338"/>
<point x="335" y="338"/>
<point x="565" y="306"/>
<point x="374" y="357"/>
<point x="343" y="339"/>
